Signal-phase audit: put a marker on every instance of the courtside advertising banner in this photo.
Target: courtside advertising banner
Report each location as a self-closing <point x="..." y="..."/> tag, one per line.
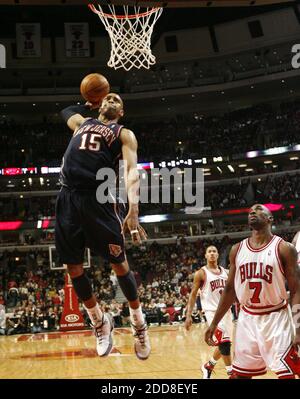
<point x="28" y="40"/>
<point x="77" y="40"/>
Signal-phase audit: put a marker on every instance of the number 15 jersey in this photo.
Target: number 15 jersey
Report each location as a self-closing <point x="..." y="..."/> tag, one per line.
<point x="259" y="279"/>
<point x="93" y="146"/>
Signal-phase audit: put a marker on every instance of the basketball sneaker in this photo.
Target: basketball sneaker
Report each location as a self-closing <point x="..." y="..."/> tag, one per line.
<point x="142" y="345"/>
<point x="103" y="333"/>
<point x="207" y="370"/>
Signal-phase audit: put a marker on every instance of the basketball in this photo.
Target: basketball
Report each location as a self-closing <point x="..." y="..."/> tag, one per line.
<point x="94" y="87"/>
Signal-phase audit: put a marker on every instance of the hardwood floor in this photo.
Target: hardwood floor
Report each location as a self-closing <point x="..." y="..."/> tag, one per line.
<point x="176" y="353"/>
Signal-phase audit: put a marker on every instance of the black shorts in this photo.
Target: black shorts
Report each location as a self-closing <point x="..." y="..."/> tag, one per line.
<point x="82" y="222"/>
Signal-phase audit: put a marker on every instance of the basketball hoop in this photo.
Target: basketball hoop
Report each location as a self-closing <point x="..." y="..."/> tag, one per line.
<point x="130" y="35"/>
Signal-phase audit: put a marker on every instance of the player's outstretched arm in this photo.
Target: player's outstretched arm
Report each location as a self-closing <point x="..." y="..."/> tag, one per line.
<point x="132" y="185"/>
<point x="288" y="256"/>
<point x="73" y="115"/>
<point x="198" y="278"/>
<point x="227" y="298"/>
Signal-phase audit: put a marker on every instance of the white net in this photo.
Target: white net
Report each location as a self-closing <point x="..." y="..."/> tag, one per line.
<point x="130" y="35"/>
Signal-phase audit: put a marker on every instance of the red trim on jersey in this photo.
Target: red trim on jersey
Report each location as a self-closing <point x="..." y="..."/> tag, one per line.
<point x="219" y="336"/>
<point x="278" y="257"/>
<point x="248" y="372"/>
<point x="219" y="268"/>
<point x="266" y="307"/>
<point x="264" y="313"/>
<point x="291" y="360"/>
<point x="119" y="130"/>
<point x="237" y="252"/>
<point x="285" y="372"/>
<point x="258" y="249"/>
<point x="287" y="377"/>
<point x="202" y="285"/>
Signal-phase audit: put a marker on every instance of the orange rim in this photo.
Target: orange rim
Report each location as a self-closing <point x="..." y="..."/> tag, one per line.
<point x="131" y="16"/>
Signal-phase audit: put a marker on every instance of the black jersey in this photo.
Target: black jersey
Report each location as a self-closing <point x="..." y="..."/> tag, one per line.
<point x="93" y="146"/>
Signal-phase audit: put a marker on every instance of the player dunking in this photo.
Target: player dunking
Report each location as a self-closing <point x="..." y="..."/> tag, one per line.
<point x="265" y="335"/>
<point x="211" y="280"/>
<point x="81" y="221"/>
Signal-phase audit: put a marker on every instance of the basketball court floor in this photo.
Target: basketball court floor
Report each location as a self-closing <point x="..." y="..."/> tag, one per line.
<point x="176" y="353"/>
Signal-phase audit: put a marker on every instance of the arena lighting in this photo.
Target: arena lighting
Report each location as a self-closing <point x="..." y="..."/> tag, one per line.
<point x="153" y="218"/>
<point x="231" y="168"/>
<point x="294" y="158"/>
<point x="272" y="207"/>
<point x="272" y="151"/>
<point x="268" y="162"/>
<point x="45" y="224"/>
<point x="145" y="165"/>
<point x="217" y="159"/>
<point x="19" y="171"/>
<point x="10" y="225"/>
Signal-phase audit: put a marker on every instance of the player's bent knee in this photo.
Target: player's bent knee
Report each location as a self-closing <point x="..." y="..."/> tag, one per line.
<point x="82" y="287"/>
<point x="225" y="348"/>
<point x="75" y="270"/>
<point x="121" y="269"/>
<point x="128" y="286"/>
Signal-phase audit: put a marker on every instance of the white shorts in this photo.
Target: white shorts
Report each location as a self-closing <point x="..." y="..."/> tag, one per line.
<point x="223" y="332"/>
<point x="263" y="342"/>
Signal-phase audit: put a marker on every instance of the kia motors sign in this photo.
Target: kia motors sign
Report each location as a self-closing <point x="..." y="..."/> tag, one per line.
<point x="71" y="318"/>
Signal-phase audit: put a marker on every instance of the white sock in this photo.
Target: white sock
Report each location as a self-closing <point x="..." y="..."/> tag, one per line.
<point x="95" y="314"/>
<point x="213" y="361"/>
<point x="136" y="316"/>
<point x="228" y="369"/>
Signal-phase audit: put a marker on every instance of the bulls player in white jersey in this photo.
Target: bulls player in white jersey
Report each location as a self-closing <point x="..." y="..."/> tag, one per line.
<point x="265" y="334"/>
<point x="296" y="243"/>
<point x="211" y="280"/>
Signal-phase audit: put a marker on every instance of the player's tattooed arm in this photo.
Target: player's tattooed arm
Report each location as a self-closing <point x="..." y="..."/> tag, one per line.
<point x="198" y="279"/>
<point x="227" y="298"/>
<point x="288" y="256"/>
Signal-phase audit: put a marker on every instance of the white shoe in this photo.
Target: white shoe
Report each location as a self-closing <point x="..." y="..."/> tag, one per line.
<point x="207" y="370"/>
<point x="142" y="345"/>
<point x="103" y="333"/>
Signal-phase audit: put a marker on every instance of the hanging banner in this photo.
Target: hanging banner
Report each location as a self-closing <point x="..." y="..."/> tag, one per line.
<point x="77" y="39"/>
<point x="28" y="40"/>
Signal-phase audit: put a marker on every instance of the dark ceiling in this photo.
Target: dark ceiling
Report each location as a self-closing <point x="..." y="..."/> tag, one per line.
<point x="52" y="17"/>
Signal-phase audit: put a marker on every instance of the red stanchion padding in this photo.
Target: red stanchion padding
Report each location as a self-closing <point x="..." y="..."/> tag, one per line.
<point x="71" y="318"/>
